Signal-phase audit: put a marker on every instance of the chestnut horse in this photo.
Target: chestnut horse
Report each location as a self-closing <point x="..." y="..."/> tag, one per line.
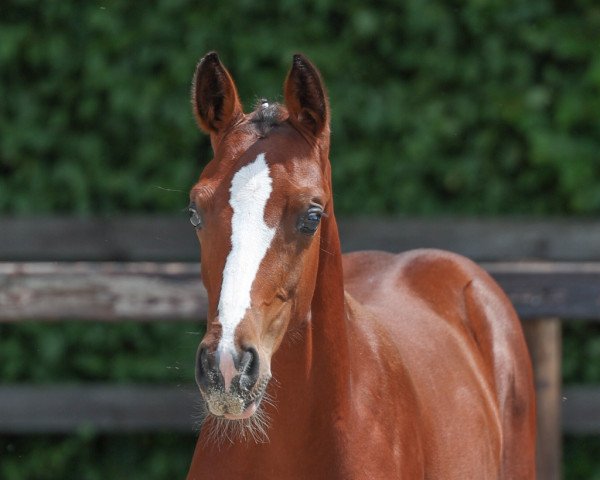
<point x="318" y="365"/>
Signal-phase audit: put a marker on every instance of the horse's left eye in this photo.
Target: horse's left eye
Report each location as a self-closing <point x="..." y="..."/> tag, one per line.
<point x="195" y="219"/>
<point x="309" y="222"/>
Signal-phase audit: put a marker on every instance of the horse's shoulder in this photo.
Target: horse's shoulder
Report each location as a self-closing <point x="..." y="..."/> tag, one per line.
<point x="406" y="288"/>
<point x="420" y="270"/>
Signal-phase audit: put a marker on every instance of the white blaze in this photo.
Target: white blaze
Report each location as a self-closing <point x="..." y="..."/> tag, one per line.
<point x="250" y="239"/>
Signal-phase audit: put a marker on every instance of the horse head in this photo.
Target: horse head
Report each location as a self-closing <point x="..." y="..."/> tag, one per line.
<point x="257" y="209"/>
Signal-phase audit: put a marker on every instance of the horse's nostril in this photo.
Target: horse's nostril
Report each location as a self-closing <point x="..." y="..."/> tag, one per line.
<point x="219" y="369"/>
<point x="249" y="364"/>
<point x="203" y="365"/>
<point x="249" y="368"/>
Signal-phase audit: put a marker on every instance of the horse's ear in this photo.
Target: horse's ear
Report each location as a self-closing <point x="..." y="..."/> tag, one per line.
<point x="305" y="96"/>
<point x="214" y="97"/>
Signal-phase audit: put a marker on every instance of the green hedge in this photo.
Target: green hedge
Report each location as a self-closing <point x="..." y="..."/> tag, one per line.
<point x="69" y="352"/>
<point x="87" y="456"/>
<point x="581" y="364"/>
<point x="439" y="106"/>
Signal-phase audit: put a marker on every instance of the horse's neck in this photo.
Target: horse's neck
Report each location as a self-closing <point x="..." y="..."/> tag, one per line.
<point x="315" y="379"/>
<point x="329" y="326"/>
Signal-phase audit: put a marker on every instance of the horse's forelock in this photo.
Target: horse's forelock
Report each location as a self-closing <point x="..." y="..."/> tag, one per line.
<point x="266" y="116"/>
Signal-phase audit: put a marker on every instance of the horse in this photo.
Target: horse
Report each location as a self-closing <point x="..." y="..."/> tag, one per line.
<point x="318" y="365"/>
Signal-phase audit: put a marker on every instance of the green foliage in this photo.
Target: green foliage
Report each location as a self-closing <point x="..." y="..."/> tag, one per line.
<point x="581" y="456"/>
<point x="581" y="365"/>
<point x="85" y="456"/>
<point x="582" y="342"/>
<point x="97" y="352"/>
<point x="101" y="352"/>
<point x="476" y="107"/>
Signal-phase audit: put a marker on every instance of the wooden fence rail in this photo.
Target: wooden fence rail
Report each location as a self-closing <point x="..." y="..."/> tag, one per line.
<point x="120" y="279"/>
<point x="168" y="238"/>
<point x="145" y="408"/>
<point x="147" y="291"/>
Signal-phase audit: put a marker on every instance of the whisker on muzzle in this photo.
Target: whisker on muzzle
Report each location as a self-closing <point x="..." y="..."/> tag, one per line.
<point x="220" y="431"/>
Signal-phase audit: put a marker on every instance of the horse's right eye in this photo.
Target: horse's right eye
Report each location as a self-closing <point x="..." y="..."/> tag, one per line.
<point x="195" y="218"/>
<point x="309" y="222"/>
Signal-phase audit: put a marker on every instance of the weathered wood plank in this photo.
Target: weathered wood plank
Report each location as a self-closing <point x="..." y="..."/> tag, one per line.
<point x="122" y="238"/>
<point x="544" y="341"/>
<point x="581" y="409"/>
<point x="537" y="290"/>
<point x="105" y="408"/>
<point x="101" y="291"/>
<point x="28" y="409"/>
<point x="173" y="291"/>
<point x="170" y="238"/>
<point x="489" y="239"/>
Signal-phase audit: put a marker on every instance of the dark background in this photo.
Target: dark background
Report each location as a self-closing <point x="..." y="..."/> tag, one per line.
<point x="440" y="107"/>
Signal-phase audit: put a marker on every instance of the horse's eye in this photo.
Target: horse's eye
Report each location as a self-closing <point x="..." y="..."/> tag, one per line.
<point x="195" y="219"/>
<point x="309" y="222"/>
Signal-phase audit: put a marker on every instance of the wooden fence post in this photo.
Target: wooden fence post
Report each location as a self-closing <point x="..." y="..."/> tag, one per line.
<point x="544" y="341"/>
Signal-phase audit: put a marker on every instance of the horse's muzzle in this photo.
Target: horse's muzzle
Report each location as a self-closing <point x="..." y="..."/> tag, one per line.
<point x="227" y="380"/>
